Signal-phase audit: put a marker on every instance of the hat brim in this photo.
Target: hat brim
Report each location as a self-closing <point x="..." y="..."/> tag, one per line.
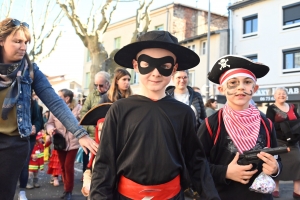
<point x="234" y="61"/>
<point x="185" y="57"/>
<point x="94" y="114"/>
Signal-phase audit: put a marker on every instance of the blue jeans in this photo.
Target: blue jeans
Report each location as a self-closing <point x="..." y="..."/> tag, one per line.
<point x="24" y="173"/>
<point x="13" y="155"/>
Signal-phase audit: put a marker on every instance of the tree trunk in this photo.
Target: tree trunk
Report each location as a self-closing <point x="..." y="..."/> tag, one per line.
<point x="98" y="56"/>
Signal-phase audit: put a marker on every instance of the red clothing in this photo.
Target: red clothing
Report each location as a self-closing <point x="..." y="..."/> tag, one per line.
<point x="36" y="164"/>
<point x="54" y="167"/>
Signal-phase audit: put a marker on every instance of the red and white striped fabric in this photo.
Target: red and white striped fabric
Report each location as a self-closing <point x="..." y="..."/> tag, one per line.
<point x="229" y="74"/>
<point x="242" y="126"/>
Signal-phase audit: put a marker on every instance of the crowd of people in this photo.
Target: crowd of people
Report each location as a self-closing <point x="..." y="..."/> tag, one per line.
<point x="163" y="143"/>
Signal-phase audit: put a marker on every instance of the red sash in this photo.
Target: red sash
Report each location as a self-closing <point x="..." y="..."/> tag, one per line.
<point x="135" y="191"/>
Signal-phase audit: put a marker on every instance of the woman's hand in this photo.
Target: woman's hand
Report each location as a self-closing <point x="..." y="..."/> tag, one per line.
<point x="33" y="130"/>
<point x="52" y="132"/>
<point x="87" y="142"/>
<point x="270" y="165"/>
<point x="239" y="173"/>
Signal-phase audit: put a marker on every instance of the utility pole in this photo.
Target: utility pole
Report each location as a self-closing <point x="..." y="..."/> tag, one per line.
<point x="208" y="50"/>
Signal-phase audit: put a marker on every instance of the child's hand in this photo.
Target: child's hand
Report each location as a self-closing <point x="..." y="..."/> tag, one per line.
<point x="85" y="191"/>
<point x="270" y="163"/>
<point x="239" y="173"/>
<point x="34" y="157"/>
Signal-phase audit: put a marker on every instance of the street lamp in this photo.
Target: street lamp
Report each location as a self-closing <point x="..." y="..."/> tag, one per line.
<point x="208" y="50"/>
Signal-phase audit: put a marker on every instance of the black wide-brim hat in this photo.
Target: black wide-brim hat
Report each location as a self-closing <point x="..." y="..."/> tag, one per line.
<point x="94" y="114"/>
<point x="228" y="62"/>
<point x="185" y="57"/>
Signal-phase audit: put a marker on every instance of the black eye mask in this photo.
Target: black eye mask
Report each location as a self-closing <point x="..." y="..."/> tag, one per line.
<point x="157" y="63"/>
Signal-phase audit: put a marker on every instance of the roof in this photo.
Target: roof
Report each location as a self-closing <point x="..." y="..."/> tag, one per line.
<point x="204" y="35"/>
<point x="170" y="4"/>
<point x="241" y="4"/>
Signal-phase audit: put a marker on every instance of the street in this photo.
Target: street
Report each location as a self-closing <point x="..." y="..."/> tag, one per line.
<point x="49" y="192"/>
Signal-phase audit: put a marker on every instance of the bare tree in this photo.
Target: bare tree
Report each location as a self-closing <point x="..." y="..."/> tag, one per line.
<point x="143" y="20"/>
<point x="91" y="32"/>
<point x="6" y="8"/>
<point x="44" y="30"/>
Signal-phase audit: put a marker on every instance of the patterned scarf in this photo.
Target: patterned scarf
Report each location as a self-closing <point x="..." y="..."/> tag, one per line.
<point x="13" y="80"/>
<point x="242" y="126"/>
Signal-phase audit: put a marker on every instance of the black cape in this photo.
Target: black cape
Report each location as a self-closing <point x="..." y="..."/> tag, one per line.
<point x="150" y="142"/>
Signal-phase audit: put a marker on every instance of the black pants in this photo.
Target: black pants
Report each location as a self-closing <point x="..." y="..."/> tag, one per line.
<point x="13" y="155"/>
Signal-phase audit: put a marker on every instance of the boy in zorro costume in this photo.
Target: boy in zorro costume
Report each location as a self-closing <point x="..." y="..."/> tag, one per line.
<point x="149" y="146"/>
<point x="236" y="128"/>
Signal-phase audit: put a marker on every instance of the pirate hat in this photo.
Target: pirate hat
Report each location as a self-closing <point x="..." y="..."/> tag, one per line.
<point x="97" y="112"/>
<point x="185" y="57"/>
<point x="228" y="62"/>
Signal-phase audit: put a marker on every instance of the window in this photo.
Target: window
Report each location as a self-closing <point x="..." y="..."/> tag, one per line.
<point x="134" y="77"/>
<point x="191" y="78"/>
<point x="117" y="43"/>
<point x="87" y="80"/>
<point x="193" y="47"/>
<point x="159" y="27"/>
<point x="203" y="48"/>
<point x="250" y="24"/>
<point x="72" y="86"/>
<point x="291" y="14"/>
<point x="291" y="60"/>
<point x="88" y="56"/>
<point x="252" y="57"/>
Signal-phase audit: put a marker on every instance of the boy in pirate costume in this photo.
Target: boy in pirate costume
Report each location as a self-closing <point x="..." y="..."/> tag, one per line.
<point x="149" y="146"/>
<point x="236" y="128"/>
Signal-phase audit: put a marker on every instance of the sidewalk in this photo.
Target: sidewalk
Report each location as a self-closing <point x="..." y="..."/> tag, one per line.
<point x="49" y="192"/>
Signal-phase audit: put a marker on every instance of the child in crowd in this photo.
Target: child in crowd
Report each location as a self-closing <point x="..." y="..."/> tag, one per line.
<point x="54" y="168"/>
<point x="149" y="147"/>
<point x="47" y="140"/>
<point x="87" y="176"/>
<point x="91" y="118"/>
<point x="237" y="128"/>
<point x="36" y="162"/>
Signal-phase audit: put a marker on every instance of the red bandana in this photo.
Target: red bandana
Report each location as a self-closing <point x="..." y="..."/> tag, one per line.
<point x="242" y="126"/>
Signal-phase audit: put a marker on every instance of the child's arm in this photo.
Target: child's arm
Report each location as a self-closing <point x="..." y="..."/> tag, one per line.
<point x="104" y="176"/>
<point x="87" y="176"/>
<point x="272" y="165"/>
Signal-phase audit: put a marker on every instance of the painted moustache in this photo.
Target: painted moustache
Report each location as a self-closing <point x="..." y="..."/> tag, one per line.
<point x="249" y="94"/>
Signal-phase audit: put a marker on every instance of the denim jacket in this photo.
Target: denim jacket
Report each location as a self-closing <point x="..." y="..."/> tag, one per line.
<point x="54" y="103"/>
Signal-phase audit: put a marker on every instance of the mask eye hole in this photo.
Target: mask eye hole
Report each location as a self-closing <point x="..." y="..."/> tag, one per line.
<point x="144" y="64"/>
<point x="166" y="66"/>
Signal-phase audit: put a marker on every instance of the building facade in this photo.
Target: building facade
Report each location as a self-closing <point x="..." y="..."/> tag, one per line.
<point x="267" y="31"/>
<point x="187" y="23"/>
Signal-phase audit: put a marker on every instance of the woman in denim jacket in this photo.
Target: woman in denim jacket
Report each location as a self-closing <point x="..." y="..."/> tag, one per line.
<point x="18" y="76"/>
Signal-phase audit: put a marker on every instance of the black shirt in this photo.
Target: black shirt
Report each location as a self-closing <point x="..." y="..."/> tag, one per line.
<point x="150" y="142"/>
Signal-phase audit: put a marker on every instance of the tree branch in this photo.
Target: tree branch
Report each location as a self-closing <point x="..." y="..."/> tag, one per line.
<point x="90" y="19"/>
<point x="74" y="19"/>
<point x="53" y="48"/>
<point x="9" y="8"/>
<point x="102" y="26"/>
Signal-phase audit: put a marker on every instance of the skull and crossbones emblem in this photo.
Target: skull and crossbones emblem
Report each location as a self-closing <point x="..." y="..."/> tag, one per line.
<point x="223" y="63"/>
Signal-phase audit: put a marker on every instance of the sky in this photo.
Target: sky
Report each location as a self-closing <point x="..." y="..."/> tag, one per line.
<point x="68" y="57"/>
